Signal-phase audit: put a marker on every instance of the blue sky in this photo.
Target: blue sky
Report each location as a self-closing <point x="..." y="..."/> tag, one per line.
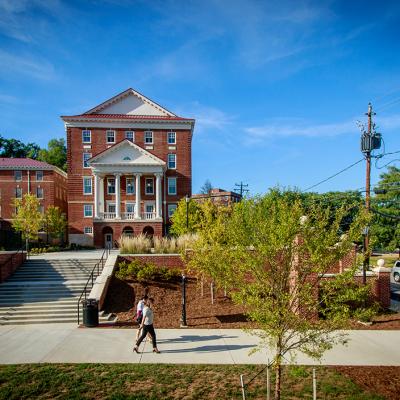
<point x="276" y="87"/>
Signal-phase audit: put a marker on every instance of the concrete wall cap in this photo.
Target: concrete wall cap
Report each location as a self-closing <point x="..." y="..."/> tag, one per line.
<point x="381" y="269"/>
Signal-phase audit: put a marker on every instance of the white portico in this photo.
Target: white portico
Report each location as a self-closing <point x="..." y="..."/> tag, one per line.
<point x="133" y="163"/>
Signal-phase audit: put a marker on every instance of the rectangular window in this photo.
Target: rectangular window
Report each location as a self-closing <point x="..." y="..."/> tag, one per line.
<point x="130" y="208"/>
<point x="39" y="175"/>
<point x="110" y="185"/>
<point x="149" y="208"/>
<point x="130" y="186"/>
<point x="171" y="210"/>
<point x="88" y="230"/>
<point x="148" y="137"/>
<point x="86" y="136"/>
<point x="87" y="185"/>
<point x="18" y="193"/>
<point x="149" y="186"/>
<point x="171" y="137"/>
<point x="39" y="193"/>
<point x="86" y="157"/>
<point x="88" y="210"/>
<point x="18" y="175"/>
<point x="171" y="161"/>
<point x="130" y="135"/>
<point x="111" y="207"/>
<point x="172" y="186"/>
<point x="110" y="136"/>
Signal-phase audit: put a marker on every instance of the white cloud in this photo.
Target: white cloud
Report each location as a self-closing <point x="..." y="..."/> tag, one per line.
<point x="26" y="65"/>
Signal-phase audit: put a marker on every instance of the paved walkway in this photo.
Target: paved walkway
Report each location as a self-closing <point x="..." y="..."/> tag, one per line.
<point x="65" y="343"/>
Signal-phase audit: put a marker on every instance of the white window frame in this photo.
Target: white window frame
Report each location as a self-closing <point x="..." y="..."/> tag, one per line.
<point x="171" y="179"/>
<point x="130" y="178"/>
<point x="150" y="204"/>
<point x="111" y="204"/>
<point x="86" y="133"/>
<point x="168" y="161"/>
<point x="86" y="179"/>
<point x="88" y="230"/>
<point x="16" y="192"/>
<point x="37" y="176"/>
<point x="174" y="137"/>
<point x="109" y="131"/>
<point x="175" y="206"/>
<point x="15" y="176"/>
<point x="83" y="159"/>
<point x="108" y="186"/>
<point x="145" y="186"/>
<point x="133" y="135"/>
<point x="145" y="137"/>
<point x="37" y="194"/>
<point x="87" y="207"/>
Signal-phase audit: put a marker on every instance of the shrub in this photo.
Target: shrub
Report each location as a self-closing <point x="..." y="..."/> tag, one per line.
<point x="134" y="245"/>
<point x="145" y="271"/>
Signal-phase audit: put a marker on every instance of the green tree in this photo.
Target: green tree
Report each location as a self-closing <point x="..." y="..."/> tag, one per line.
<point x="271" y="258"/>
<point x="385" y="230"/>
<point x="27" y="219"/>
<point x="55" y="222"/>
<point x="14" y="148"/>
<point x="186" y="212"/>
<point x="55" y="154"/>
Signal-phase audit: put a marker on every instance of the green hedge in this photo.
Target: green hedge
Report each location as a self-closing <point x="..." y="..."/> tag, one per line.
<point x="145" y="272"/>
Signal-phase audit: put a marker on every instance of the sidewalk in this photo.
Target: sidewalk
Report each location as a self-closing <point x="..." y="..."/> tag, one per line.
<point x="65" y="343"/>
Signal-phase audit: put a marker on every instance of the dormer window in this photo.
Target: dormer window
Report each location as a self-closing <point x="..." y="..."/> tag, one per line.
<point x="110" y="136"/>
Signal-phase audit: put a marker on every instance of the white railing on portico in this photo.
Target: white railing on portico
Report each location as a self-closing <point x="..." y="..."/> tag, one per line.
<point x="149" y="215"/>
<point x="108" y="215"/>
<point x="128" y="215"/>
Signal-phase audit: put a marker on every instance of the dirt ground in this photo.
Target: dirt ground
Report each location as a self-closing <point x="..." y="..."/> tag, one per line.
<point x="123" y="296"/>
<point x="381" y="380"/>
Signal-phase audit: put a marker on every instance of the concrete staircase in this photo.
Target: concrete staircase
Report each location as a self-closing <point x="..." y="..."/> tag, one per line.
<point x="45" y="291"/>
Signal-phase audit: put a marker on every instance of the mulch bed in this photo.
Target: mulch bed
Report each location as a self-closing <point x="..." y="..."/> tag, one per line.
<point x="381" y="380"/>
<point x="123" y="296"/>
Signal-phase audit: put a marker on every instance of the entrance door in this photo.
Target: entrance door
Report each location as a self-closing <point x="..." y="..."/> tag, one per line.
<point x="108" y="240"/>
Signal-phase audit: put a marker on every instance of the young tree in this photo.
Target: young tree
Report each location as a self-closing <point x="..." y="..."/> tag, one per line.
<point x="55" y="221"/>
<point x="56" y="153"/>
<point x="271" y="258"/>
<point x="27" y="219"/>
<point x="186" y="217"/>
<point x="206" y="188"/>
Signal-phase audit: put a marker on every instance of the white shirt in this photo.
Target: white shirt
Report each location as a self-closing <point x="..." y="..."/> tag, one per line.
<point x="140" y="305"/>
<point x="148" y="315"/>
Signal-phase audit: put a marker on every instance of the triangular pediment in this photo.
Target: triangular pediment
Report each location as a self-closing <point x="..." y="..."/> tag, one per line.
<point x="130" y="102"/>
<point x="127" y="154"/>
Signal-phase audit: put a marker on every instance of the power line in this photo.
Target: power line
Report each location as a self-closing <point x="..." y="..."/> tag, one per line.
<point x="241" y="188"/>
<point x="332" y="176"/>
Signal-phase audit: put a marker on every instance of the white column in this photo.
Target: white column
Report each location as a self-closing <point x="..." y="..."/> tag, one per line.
<point x="96" y="195"/>
<point x="158" y="195"/>
<point x="117" y="196"/>
<point x="137" y="194"/>
<point x="101" y="195"/>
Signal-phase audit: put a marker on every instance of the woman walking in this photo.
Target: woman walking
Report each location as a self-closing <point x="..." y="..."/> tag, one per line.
<point x="147" y="326"/>
<point x="139" y="312"/>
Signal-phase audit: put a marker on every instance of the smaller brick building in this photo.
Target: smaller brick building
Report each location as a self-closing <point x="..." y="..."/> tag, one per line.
<point x="218" y="196"/>
<point x="19" y="176"/>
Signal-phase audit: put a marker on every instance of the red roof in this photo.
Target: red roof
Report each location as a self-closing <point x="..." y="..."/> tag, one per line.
<point x="126" y="116"/>
<point x="14" y="163"/>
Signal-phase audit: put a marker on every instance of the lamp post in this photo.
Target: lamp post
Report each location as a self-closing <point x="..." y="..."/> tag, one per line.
<point x="183" y="318"/>
<point x="187" y="199"/>
<point x="365" y="232"/>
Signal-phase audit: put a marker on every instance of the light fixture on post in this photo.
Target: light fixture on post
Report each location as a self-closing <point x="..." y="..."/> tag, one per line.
<point x="183" y="318"/>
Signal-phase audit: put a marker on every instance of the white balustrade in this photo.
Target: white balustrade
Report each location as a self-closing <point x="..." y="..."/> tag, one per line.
<point x="108" y="215"/>
<point x="127" y="215"/>
<point x="148" y="215"/>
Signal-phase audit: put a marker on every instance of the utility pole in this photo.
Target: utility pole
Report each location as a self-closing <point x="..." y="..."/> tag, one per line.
<point x="241" y="188"/>
<point x="370" y="140"/>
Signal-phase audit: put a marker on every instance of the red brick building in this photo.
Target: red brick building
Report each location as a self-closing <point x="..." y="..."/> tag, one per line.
<point x="218" y="196"/>
<point x="129" y="163"/>
<point x="19" y="176"/>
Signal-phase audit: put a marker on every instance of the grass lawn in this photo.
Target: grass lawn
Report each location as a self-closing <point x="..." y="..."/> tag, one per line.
<point x="150" y="381"/>
<point x="389" y="259"/>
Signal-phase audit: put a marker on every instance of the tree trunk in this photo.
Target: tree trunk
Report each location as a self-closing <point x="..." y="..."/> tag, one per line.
<point x="278" y="372"/>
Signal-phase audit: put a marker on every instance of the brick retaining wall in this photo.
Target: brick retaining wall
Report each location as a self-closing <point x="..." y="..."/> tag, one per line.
<point x="160" y="260"/>
<point x="9" y="262"/>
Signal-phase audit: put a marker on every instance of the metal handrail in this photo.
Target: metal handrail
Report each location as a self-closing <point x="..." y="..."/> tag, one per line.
<point x="92" y="276"/>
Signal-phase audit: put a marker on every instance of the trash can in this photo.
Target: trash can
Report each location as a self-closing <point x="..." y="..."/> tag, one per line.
<point x="90" y="313"/>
